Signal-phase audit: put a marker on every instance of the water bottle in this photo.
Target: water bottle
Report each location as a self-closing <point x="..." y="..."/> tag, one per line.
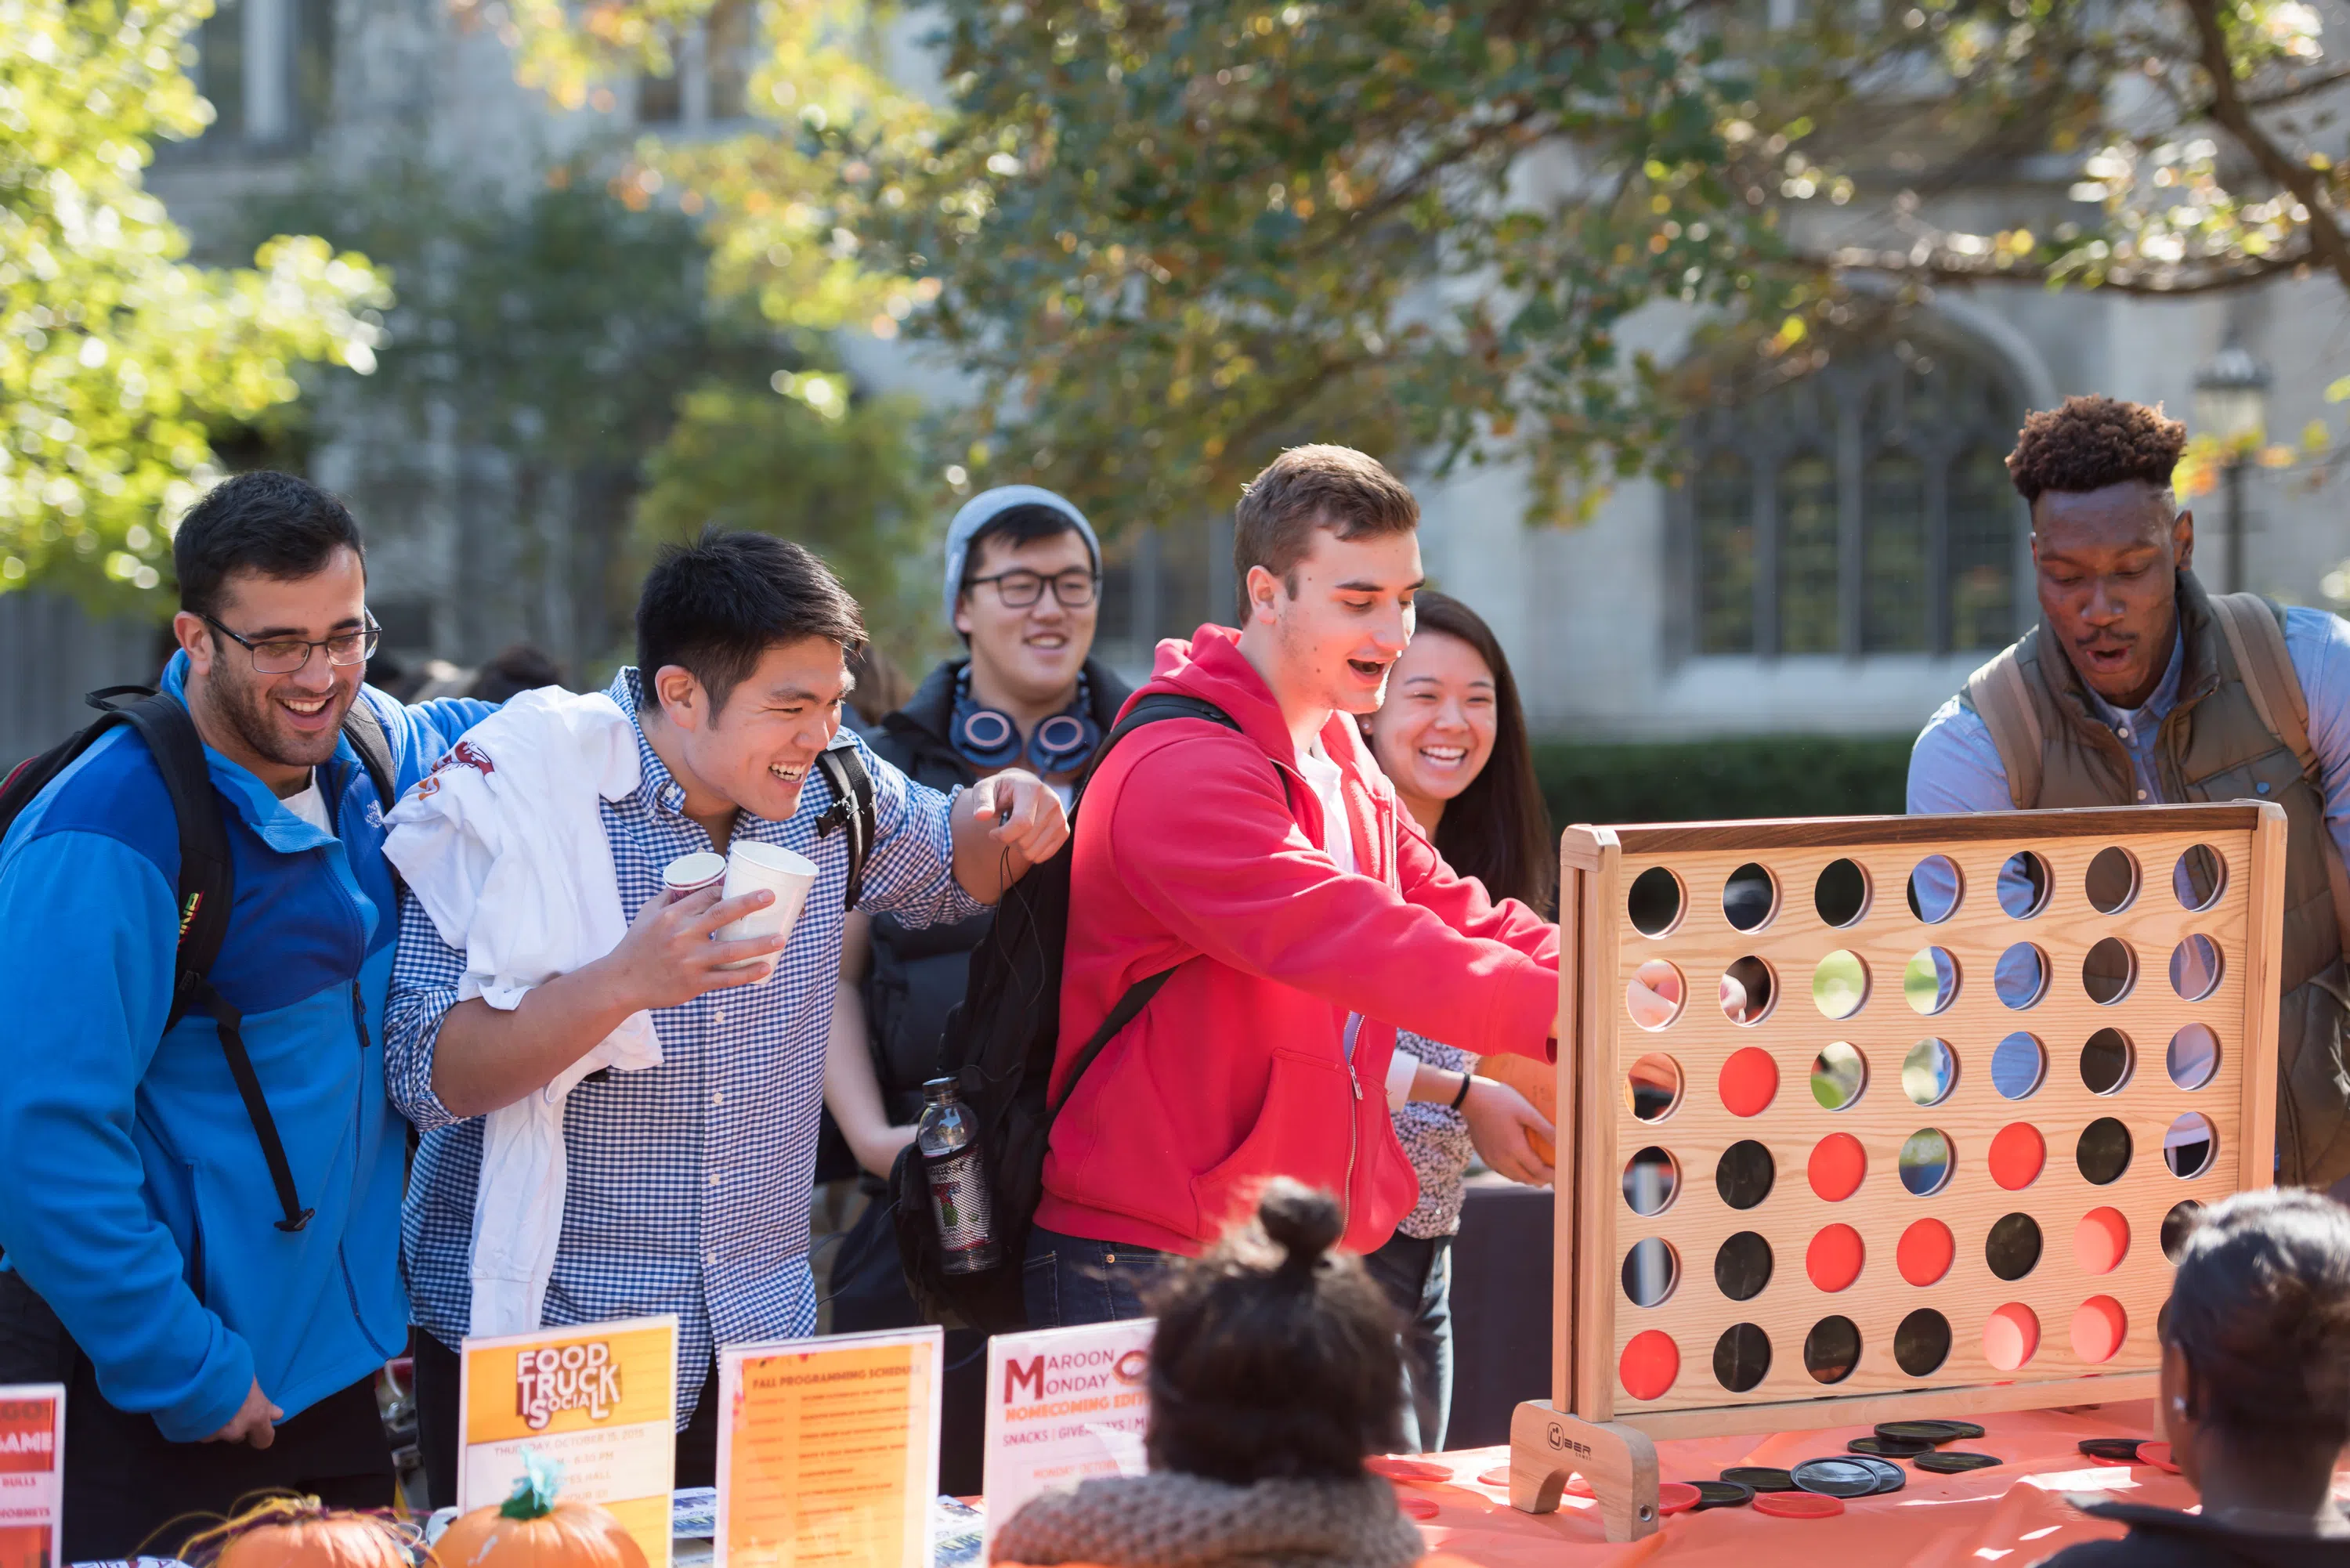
<point x="948" y="1139"/>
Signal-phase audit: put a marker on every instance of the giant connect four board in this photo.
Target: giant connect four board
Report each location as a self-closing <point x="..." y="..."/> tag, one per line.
<point x="1890" y="1117"/>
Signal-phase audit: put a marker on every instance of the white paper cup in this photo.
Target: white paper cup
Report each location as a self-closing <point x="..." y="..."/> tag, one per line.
<point x="751" y="866"/>
<point x="693" y="873"/>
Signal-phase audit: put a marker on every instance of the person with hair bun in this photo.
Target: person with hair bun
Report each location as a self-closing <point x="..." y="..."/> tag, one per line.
<point x="2255" y="1393"/>
<point x="1273" y="1374"/>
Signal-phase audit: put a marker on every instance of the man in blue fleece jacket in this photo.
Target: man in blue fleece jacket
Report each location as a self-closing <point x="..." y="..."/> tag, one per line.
<point x="206" y="1349"/>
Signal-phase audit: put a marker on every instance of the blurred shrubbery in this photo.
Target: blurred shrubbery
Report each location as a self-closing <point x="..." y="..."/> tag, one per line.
<point x="1698" y="781"/>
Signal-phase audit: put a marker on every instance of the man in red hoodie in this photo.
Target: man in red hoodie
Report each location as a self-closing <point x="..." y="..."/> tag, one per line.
<point x="1304" y="915"/>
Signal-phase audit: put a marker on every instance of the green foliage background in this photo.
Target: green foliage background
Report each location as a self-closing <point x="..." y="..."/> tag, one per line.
<point x="1700" y="781"/>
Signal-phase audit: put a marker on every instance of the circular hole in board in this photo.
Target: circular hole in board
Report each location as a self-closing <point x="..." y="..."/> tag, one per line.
<point x="1748" y="989"/>
<point x="1929" y="1071"/>
<point x="1750" y="898"/>
<point x="2193" y="1057"/>
<point x="2199" y="878"/>
<point x="1832" y="1349"/>
<point x="2107" y="1061"/>
<point x="1839" y="1073"/>
<point x="1833" y="1261"/>
<point x="2018" y="1154"/>
<point x="2112" y="881"/>
<point x="1935" y="889"/>
<point x="2019" y="976"/>
<point x="1741" y="1358"/>
<point x="1650" y="1362"/>
<point x="1655" y="994"/>
<point x="1930" y="980"/>
<point x="1925" y="1161"/>
<point x="1841" y="895"/>
<point x="2179" y="1224"/>
<point x="1655" y="902"/>
<point x="2100" y="1240"/>
<point x="2010" y="1335"/>
<point x="1742" y="1267"/>
<point x="2195" y="967"/>
<point x="2012" y="1248"/>
<point x="2018" y="1064"/>
<point x="1653" y="1087"/>
<point x="2110" y="969"/>
<point x="1749" y="1082"/>
<point x="2023" y="884"/>
<point x="1922" y="1343"/>
<point x="1651" y="1270"/>
<point x="1651" y="1178"/>
<point x="1836" y="1166"/>
<point x="2103" y="1152"/>
<point x="1745" y="1174"/>
<point x="2188" y="1145"/>
<point x="1925" y="1253"/>
<point x="2099" y="1326"/>
<point x="1839" y="984"/>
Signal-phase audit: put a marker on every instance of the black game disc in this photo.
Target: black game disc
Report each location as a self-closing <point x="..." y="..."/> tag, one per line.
<point x="1723" y="1494"/>
<point x="1837" y="1477"/>
<point x="1890" y="1477"/>
<point x="1761" y="1478"/>
<point x="1929" y="1431"/>
<point x="2122" y="1449"/>
<point x="1886" y="1448"/>
<point x="1950" y="1464"/>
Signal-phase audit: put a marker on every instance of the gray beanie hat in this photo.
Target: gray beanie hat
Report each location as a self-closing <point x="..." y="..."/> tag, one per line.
<point x="989" y="505"/>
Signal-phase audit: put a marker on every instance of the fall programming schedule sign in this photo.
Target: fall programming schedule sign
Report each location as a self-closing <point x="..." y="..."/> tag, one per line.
<point x="600" y="1399"/>
<point x="32" y="1466"/>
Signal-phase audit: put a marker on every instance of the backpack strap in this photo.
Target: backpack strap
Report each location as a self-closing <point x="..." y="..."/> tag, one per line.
<point x="2003" y="701"/>
<point x="2254" y="628"/>
<point x="363" y="727"/>
<point x="207" y="889"/>
<point x="852" y="807"/>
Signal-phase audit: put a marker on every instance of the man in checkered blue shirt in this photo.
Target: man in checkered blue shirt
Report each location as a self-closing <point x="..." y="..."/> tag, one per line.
<point x="690" y="1181"/>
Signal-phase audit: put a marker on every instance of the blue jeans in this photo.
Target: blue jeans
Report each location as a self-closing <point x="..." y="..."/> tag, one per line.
<point x="1417" y="1275"/>
<point x="1068" y="1281"/>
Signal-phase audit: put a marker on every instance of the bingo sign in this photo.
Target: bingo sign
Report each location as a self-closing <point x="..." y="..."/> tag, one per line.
<point x="32" y="1462"/>
<point x="1064" y="1404"/>
<point x="599" y="1399"/>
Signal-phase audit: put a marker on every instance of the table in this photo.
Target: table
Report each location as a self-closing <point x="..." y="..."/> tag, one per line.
<point x="2013" y="1515"/>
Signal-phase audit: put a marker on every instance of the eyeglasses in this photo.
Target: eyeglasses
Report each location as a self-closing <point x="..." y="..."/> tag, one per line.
<point x="1075" y="588"/>
<point x="284" y="654"/>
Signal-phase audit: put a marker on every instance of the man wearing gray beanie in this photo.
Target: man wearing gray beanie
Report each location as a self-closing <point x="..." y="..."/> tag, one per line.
<point x="1023" y="588"/>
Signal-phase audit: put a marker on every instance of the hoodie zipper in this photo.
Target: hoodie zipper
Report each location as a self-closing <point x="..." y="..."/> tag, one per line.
<point x="1354" y="1135"/>
<point x="358" y="1015"/>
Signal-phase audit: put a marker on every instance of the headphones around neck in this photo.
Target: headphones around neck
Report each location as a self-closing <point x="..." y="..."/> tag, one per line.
<point x="989" y="739"/>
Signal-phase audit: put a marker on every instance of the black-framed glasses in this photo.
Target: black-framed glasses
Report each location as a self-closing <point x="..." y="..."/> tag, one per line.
<point x="284" y="654"/>
<point x="1075" y="588"/>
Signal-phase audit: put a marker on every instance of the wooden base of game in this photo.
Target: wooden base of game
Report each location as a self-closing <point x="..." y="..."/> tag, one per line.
<point x="1619" y="1461"/>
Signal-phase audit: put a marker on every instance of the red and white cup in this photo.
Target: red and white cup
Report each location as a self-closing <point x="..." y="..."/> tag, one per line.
<point x="693" y="873"/>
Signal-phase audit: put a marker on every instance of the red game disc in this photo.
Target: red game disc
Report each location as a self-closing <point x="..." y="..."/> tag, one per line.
<point x="1415" y="1506"/>
<point x="1497" y="1476"/>
<point x="1797" y="1505"/>
<point x="1401" y="1469"/>
<point x="1677" y="1496"/>
<point x="2159" y="1456"/>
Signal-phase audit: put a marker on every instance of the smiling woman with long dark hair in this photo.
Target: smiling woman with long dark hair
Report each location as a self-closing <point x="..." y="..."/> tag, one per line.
<point x="1451" y="738"/>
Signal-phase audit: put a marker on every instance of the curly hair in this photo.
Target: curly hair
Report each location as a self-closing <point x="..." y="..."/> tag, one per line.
<point x="2091" y="442"/>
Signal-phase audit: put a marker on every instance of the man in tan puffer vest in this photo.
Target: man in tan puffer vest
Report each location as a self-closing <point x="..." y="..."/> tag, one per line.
<point x="2138" y="686"/>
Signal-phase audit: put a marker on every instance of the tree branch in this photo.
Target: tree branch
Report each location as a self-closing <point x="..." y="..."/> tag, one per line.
<point x="2230" y="113"/>
<point x="1941" y="267"/>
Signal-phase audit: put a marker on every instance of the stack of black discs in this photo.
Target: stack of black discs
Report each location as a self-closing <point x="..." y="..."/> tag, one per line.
<point x="1867" y="1467"/>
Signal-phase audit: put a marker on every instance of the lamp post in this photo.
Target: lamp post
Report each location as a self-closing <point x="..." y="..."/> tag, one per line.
<point x="2231" y="405"/>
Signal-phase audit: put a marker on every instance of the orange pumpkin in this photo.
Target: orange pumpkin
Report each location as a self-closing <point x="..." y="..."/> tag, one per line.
<point x="532" y="1530"/>
<point x="301" y="1533"/>
<point x="1538" y="1081"/>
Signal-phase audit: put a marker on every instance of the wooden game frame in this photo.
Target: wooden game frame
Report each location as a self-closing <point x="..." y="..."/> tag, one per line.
<point x="1590" y="1425"/>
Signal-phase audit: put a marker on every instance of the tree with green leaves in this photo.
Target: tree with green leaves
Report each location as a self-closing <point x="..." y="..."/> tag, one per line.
<point x="117" y="359"/>
<point x="1169" y="238"/>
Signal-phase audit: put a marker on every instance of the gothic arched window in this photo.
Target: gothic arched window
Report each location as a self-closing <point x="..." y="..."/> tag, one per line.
<point x="1862" y="509"/>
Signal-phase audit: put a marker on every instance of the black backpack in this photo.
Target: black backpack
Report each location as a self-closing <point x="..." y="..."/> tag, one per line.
<point x="1001" y="1045"/>
<point x="207" y="877"/>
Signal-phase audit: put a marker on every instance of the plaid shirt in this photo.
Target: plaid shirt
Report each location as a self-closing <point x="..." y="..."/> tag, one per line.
<point x="690" y="1181"/>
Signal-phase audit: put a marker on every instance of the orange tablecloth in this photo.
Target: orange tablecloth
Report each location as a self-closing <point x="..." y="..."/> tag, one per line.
<point x="2013" y="1515"/>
